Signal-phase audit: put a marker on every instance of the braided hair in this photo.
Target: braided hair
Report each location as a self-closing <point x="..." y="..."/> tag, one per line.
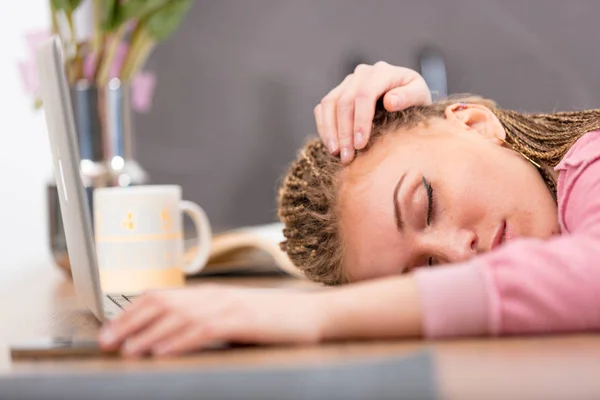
<point x="307" y="202"/>
<point x="307" y="196"/>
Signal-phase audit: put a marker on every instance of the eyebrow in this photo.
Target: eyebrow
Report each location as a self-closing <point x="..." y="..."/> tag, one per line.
<point x="399" y="222"/>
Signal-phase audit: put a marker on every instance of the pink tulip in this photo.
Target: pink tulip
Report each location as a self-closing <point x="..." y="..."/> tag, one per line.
<point x="142" y="91"/>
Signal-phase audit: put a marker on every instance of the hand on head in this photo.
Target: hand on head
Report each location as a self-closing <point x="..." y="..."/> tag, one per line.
<point x="344" y="116"/>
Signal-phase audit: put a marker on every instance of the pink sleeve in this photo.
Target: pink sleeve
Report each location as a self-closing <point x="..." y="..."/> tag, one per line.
<point x="530" y="285"/>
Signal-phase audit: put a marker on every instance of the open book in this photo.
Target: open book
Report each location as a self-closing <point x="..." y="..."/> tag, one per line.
<point x="253" y="249"/>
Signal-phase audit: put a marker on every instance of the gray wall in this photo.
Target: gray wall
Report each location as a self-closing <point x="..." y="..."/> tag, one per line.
<point x="238" y="82"/>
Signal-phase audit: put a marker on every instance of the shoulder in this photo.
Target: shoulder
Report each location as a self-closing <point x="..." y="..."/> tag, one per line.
<point x="585" y="150"/>
<point x="579" y="181"/>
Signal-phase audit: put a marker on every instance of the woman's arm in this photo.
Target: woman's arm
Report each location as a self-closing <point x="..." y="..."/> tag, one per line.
<point x="177" y="321"/>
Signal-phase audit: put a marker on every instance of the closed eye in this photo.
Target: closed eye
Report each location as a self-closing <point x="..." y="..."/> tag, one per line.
<point x="429" y="189"/>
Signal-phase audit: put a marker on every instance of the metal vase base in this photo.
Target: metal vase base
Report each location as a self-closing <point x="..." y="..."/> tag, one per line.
<point x="103" y="120"/>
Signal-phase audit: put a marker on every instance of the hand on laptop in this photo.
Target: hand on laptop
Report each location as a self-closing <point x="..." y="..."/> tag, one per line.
<point x="178" y="321"/>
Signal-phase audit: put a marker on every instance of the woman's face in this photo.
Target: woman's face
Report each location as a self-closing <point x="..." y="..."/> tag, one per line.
<point x="439" y="193"/>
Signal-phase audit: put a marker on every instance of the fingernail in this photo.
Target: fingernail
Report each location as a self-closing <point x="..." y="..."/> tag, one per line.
<point x="358" y="139"/>
<point x="346" y="154"/>
<point x="332" y="146"/>
<point x="395" y="102"/>
<point x="107" y="336"/>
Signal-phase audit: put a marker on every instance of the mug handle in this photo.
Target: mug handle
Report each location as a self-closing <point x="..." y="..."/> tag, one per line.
<point x="204" y="234"/>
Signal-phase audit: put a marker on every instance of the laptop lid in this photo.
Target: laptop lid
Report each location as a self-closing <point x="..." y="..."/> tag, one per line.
<point x="74" y="206"/>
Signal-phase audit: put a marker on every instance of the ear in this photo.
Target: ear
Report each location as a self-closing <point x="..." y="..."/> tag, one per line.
<point x="478" y="118"/>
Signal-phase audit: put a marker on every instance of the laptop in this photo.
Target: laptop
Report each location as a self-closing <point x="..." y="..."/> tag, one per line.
<point x="75" y="211"/>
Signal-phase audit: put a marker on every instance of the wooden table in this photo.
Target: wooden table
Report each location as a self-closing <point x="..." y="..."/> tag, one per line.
<point x="40" y="300"/>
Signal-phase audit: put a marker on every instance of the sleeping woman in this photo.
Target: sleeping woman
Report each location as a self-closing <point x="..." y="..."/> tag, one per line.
<point x="444" y="219"/>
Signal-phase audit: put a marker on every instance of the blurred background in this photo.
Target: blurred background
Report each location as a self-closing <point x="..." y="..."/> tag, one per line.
<point x="237" y="82"/>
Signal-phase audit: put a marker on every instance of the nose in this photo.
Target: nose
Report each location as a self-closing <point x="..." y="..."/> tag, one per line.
<point x="462" y="245"/>
<point x="455" y="246"/>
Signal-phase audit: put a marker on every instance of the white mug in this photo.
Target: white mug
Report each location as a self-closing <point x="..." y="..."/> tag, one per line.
<point x="139" y="237"/>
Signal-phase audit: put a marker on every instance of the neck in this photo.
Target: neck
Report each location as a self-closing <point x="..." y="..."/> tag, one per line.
<point x="550" y="177"/>
<point x="550" y="171"/>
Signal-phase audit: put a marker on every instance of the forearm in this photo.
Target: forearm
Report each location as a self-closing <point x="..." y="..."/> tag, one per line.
<point x="385" y="308"/>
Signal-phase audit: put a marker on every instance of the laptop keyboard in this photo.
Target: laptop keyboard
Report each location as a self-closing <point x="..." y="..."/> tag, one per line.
<point x="121" y="300"/>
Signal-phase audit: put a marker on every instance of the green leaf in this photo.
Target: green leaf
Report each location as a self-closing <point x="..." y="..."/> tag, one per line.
<point x="159" y="17"/>
<point x="141" y="9"/>
<point x="162" y="23"/>
<point x="115" y="12"/>
<point x="68" y="6"/>
<point x="110" y="15"/>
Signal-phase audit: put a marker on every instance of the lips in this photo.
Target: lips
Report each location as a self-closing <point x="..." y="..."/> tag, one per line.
<point x="500" y="236"/>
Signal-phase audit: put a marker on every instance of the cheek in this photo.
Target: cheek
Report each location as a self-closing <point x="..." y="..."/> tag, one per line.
<point x="470" y="191"/>
<point x="536" y="209"/>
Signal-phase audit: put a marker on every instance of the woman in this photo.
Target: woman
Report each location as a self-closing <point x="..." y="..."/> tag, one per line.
<point x="506" y="207"/>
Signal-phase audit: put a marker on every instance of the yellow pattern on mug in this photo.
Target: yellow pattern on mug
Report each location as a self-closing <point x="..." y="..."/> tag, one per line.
<point x="128" y="222"/>
<point x="167" y="220"/>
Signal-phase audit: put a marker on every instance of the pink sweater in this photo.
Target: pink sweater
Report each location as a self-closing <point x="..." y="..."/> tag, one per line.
<point x="529" y="285"/>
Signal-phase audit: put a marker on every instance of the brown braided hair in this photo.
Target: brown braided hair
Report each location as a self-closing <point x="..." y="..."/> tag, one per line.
<point x="307" y="197"/>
